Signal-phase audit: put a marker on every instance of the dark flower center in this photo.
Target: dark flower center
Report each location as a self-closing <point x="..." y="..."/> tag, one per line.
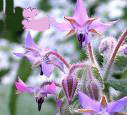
<point x="41" y="72"/>
<point x="81" y="39"/>
<point x="39" y="101"/>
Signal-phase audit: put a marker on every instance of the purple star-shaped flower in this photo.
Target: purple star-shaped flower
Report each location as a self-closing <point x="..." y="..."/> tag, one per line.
<point x="81" y="24"/>
<point x="38" y="57"/>
<point x="40" y="92"/>
<point x="102" y="107"/>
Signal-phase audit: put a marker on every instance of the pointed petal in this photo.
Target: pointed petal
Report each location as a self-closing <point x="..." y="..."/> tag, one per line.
<point x="99" y="26"/>
<point x="64" y="26"/>
<point x="29" y="42"/>
<point x="80" y="13"/>
<point x="47" y="69"/>
<point x="33" y="58"/>
<point x="51" y="88"/>
<point x="89" y="21"/>
<point x="22" y="87"/>
<point x="19" y="54"/>
<point x="88" y="103"/>
<point x="118" y="106"/>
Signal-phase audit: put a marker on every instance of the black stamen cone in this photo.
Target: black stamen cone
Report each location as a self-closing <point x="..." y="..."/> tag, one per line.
<point x="80" y="38"/>
<point x="41" y="72"/>
<point x="40" y="101"/>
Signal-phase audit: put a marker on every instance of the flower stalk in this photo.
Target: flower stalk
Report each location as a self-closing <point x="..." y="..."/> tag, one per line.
<point x="60" y="57"/>
<point x="76" y="66"/>
<point x="91" y="55"/>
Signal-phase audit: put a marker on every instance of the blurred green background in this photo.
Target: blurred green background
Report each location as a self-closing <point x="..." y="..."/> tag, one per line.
<point x="11" y="67"/>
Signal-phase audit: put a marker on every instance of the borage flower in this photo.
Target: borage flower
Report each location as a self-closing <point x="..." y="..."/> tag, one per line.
<point x="39" y="92"/>
<point x="81" y="24"/>
<point x="40" y="57"/>
<point x="102" y="107"/>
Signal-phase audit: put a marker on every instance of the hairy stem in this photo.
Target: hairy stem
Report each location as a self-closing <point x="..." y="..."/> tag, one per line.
<point x="60" y="57"/>
<point x="122" y="38"/>
<point x="76" y="66"/>
<point x="91" y="55"/>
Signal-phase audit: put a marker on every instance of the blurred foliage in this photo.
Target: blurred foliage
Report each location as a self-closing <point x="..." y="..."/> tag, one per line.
<point x="24" y="71"/>
<point x="120" y="85"/>
<point x="4" y="72"/>
<point x="120" y="63"/>
<point x="44" y="5"/>
<point x="12" y="36"/>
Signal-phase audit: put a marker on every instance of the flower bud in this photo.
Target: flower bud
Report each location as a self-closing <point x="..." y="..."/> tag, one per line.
<point x="69" y="86"/>
<point x="107" y="45"/>
<point x="90" y="85"/>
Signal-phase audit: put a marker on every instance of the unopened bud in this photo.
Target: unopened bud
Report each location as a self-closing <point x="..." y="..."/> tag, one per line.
<point x="107" y="45"/>
<point x="69" y="86"/>
<point x="91" y="85"/>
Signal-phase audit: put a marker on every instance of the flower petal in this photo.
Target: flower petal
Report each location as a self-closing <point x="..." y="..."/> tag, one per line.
<point x="47" y="69"/>
<point x="19" y="54"/>
<point x="58" y="63"/>
<point x="88" y="103"/>
<point x="80" y="13"/>
<point x="33" y="58"/>
<point x="99" y="26"/>
<point x="29" y="42"/>
<point x="63" y="26"/>
<point x="22" y="87"/>
<point x="51" y="88"/>
<point x="118" y="106"/>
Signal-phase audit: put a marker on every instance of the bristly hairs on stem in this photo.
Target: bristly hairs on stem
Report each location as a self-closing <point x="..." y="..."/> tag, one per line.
<point x="121" y="40"/>
<point x="59" y="56"/>
<point x="74" y="67"/>
<point x="91" y="55"/>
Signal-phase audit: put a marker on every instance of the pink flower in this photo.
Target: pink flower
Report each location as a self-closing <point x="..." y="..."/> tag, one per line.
<point x="22" y="87"/>
<point x="39" y="92"/>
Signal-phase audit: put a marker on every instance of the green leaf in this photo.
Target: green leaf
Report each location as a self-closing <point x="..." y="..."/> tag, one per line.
<point x="4" y="72"/>
<point x="37" y="37"/>
<point x="120" y="85"/>
<point x="120" y="63"/>
<point x="24" y="71"/>
<point x="120" y="75"/>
